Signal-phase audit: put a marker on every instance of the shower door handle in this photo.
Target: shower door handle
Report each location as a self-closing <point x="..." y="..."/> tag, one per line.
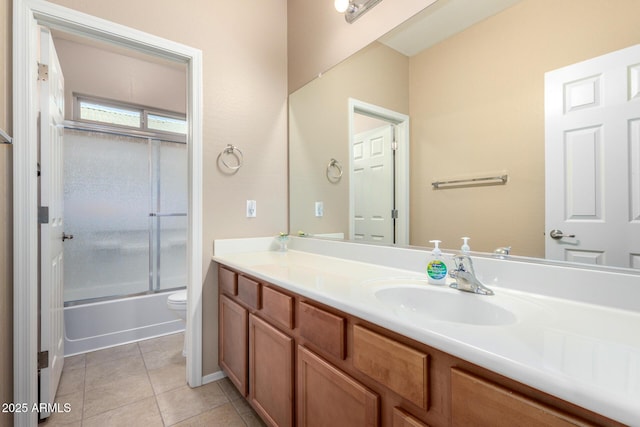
<point x="66" y="236"/>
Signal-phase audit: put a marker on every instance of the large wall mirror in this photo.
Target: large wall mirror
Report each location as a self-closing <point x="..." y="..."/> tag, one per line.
<point x="474" y="93"/>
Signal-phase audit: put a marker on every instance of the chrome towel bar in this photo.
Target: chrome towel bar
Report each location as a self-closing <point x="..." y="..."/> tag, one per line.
<point x="500" y="179"/>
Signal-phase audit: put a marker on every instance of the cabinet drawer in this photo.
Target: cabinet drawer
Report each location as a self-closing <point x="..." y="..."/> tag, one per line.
<point x="227" y="281"/>
<point x="278" y="307"/>
<point x="323" y="330"/>
<point x="394" y="365"/>
<point x="477" y="401"/>
<point x="249" y="292"/>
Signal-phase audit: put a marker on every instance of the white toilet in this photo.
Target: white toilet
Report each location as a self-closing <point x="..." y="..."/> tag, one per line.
<point x="177" y="302"/>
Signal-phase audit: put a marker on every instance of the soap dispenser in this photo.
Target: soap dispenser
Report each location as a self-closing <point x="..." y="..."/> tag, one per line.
<point x="436" y="268"/>
<point x="465" y="249"/>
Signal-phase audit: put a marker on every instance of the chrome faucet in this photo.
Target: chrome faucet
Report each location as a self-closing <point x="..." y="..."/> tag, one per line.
<point x="465" y="276"/>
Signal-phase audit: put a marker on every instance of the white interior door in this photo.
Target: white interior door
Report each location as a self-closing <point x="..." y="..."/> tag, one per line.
<point x="592" y="158"/>
<point x="51" y="228"/>
<point x="373" y="174"/>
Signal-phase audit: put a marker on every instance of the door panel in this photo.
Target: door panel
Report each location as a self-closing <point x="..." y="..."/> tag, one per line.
<point x="373" y="173"/>
<point x="51" y="231"/>
<point x="592" y="158"/>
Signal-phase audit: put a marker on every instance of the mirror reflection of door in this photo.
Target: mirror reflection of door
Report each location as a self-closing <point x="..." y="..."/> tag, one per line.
<point x="593" y="160"/>
<point x="373" y="172"/>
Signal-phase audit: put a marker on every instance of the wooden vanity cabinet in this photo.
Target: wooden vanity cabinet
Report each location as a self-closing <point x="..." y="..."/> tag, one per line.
<point x="329" y="397"/>
<point x="270" y="372"/>
<point x="233" y="343"/>
<point x="300" y="362"/>
<point x="476" y="401"/>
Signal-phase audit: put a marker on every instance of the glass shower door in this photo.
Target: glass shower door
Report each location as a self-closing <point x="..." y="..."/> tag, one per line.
<point x="126" y="205"/>
<point x="107" y="202"/>
<point x="169" y="218"/>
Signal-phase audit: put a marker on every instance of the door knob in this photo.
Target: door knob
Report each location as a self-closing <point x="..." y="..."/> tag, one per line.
<point x="66" y="236"/>
<point x="558" y="234"/>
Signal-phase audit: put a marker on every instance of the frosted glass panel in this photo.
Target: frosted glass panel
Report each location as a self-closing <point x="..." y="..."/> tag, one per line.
<point x="173" y="252"/>
<point x="173" y="178"/>
<point x="173" y="198"/>
<point x="107" y="202"/>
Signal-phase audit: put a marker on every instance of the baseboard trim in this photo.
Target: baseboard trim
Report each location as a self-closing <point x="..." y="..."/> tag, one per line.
<point x="213" y="377"/>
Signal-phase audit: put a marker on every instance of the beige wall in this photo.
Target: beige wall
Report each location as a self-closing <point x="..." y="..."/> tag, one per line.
<point x="6" y="242"/>
<point x="318" y="131"/>
<point x="480" y="109"/>
<point x="96" y="70"/>
<point x="245" y="98"/>
<point x="319" y="37"/>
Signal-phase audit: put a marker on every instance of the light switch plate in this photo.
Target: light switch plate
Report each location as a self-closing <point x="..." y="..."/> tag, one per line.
<point x="251" y="208"/>
<point x="319" y="209"/>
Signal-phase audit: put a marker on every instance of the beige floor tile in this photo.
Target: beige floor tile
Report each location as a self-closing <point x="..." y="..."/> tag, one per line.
<point x="142" y="413"/>
<point x="168" y="378"/>
<point x="164" y="357"/>
<point x="251" y="419"/>
<point x="74" y="362"/>
<point x="242" y="406"/>
<point x="71" y="418"/>
<point x="185" y="402"/>
<point x="167" y="342"/>
<point x="222" y="416"/>
<point x="113" y="353"/>
<point x="229" y="389"/>
<point x="71" y="381"/>
<point x="116" y="394"/>
<point x="106" y="372"/>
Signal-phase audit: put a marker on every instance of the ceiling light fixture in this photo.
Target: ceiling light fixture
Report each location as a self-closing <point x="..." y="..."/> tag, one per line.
<point x="353" y="9"/>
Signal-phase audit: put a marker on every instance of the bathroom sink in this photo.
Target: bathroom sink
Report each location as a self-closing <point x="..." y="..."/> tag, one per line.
<point x="425" y="302"/>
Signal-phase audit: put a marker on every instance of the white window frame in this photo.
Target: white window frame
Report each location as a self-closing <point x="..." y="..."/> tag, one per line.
<point x="144" y="112"/>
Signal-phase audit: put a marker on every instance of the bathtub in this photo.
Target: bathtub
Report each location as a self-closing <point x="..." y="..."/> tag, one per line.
<point x="93" y="326"/>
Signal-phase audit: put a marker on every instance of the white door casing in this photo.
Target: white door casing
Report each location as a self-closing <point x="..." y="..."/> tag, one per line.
<point x="372" y="172"/>
<point x="401" y="172"/>
<point x="52" y="225"/>
<point x="27" y="14"/>
<point x="592" y="158"/>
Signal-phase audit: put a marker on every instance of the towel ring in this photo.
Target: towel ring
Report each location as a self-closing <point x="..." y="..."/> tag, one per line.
<point x="334" y="171"/>
<point x="231" y="150"/>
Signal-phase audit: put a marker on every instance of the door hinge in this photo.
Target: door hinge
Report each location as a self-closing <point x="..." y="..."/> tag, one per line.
<point x="43" y="72"/>
<point x="43" y="215"/>
<point x="394" y="213"/>
<point x="43" y="359"/>
<point x="394" y="140"/>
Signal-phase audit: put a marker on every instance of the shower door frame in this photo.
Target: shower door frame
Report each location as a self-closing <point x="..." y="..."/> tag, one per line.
<point x="155" y="213"/>
<point x="27" y="15"/>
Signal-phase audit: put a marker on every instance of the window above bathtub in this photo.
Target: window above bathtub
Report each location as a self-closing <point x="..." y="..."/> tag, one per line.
<point x="114" y="113"/>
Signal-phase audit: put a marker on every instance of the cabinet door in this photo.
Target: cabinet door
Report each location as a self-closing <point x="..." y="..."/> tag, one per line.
<point x="270" y="372"/>
<point x="329" y="397"/>
<point x="233" y="342"/>
<point x="478" y="402"/>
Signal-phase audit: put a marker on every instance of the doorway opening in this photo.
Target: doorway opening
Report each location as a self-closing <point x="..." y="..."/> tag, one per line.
<point x="28" y="16"/>
<point x="379" y="170"/>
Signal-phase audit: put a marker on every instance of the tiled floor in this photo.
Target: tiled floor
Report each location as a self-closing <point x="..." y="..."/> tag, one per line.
<point x="143" y="384"/>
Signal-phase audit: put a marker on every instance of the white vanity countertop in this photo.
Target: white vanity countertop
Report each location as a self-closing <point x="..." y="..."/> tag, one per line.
<point x="584" y="353"/>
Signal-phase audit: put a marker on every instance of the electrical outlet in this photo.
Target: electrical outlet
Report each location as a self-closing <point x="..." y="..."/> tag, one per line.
<point x="319" y="209"/>
<point x="251" y="208"/>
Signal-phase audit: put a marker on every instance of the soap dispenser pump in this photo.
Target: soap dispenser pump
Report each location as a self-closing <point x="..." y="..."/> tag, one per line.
<point x="465" y="249"/>
<point x="436" y="268"/>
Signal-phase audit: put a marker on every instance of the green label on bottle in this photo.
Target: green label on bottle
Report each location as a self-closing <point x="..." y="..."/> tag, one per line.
<point x="437" y="269"/>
